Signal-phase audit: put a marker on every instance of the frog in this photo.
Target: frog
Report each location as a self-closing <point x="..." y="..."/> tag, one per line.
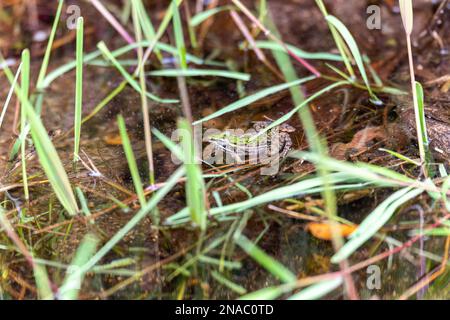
<point x="253" y="143"/>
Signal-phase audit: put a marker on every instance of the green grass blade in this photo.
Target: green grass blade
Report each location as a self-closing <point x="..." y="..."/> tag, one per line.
<point x="400" y="156"/>
<point x="74" y="277"/>
<point x="269" y="293"/>
<point x="40" y="274"/>
<point x="78" y="89"/>
<point x="175" y="149"/>
<point x="48" y="51"/>
<point x="361" y="171"/>
<point x="354" y="49"/>
<point x="205" y="15"/>
<point x="267" y="262"/>
<point x="23" y="119"/>
<point x="48" y="157"/>
<point x="195" y="185"/>
<point x="370" y="226"/>
<point x="133" y="83"/>
<point x="272" y="45"/>
<point x="179" y="36"/>
<point x="131" y="161"/>
<point x="84" y="204"/>
<point x="143" y="87"/>
<point x="253" y="98"/>
<point x="303" y="105"/>
<point x="142" y="213"/>
<point x="200" y="73"/>
<point x="147" y="26"/>
<point x="88" y="58"/>
<point x="340" y="44"/>
<point x="318" y="290"/>
<point x="10" y="93"/>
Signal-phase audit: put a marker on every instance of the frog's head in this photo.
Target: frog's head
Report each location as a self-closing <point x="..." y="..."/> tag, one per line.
<point x="286" y="128"/>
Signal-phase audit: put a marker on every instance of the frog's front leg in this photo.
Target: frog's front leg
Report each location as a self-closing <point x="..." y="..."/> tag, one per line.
<point x="287" y="144"/>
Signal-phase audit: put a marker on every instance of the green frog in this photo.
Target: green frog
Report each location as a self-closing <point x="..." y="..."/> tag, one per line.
<point x="253" y="144"/>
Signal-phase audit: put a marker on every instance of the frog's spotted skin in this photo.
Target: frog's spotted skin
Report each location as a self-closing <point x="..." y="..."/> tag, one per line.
<point x="250" y="144"/>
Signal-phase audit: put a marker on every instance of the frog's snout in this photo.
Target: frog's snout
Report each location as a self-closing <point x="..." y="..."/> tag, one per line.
<point x="287" y="128"/>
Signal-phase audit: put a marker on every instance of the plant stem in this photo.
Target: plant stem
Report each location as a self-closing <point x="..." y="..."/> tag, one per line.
<point x="415" y="102"/>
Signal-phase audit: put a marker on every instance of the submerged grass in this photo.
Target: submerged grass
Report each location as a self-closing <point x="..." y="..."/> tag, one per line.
<point x="195" y="185"/>
<point x="48" y="157"/>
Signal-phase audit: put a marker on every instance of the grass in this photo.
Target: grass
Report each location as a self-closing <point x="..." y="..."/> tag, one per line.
<point x="71" y="286"/>
<point x="78" y="89"/>
<point x="23" y="119"/>
<point x="48" y="51"/>
<point x="48" y="156"/>
<point x="272" y="265"/>
<point x="197" y="205"/>
<point x="195" y="185"/>
<point x="340" y="44"/>
<point x="131" y="160"/>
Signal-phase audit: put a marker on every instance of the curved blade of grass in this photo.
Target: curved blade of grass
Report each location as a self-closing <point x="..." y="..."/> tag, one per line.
<point x="174" y="148"/>
<point x="400" y="156"/>
<point x="74" y="278"/>
<point x="309" y="186"/>
<point x="269" y="293"/>
<point x="10" y="93"/>
<point x="253" y="98"/>
<point x="267" y="262"/>
<point x="142" y="213"/>
<point x="118" y="52"/>
<point x="317" y="290"/>
<point x="354" y="49"/>
<point x="43" y="284"/>
<point x="162" y="28"/>
<point x="48" y="157"/>
<point x="131" y="160"/>
<point x="423" y="130"/>
<point x="200" y="73"/>
<point x="272" y="45"/>
<point x="133" y="83"/>
<point x="406" y="11"/>
<point x="370" y="226"/>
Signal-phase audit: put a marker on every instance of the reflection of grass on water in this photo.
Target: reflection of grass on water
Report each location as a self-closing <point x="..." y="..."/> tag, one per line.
<point x="205" y="213"/>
